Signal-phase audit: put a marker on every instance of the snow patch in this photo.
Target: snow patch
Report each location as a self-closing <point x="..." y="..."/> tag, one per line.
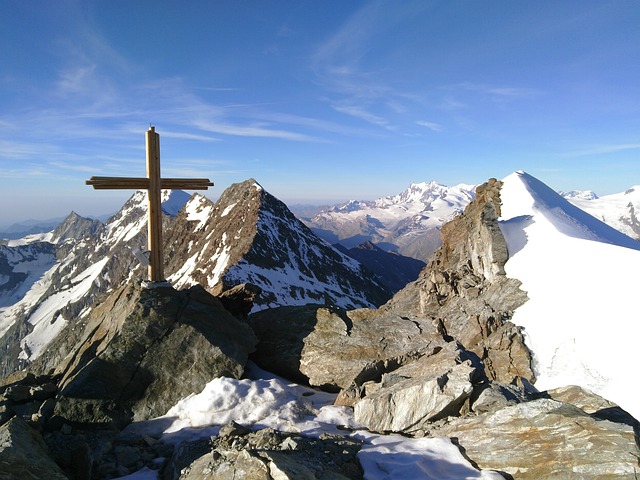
<point x="266" y="400"/>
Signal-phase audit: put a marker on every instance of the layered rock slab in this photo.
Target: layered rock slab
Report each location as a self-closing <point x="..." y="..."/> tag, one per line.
<point x="426" y="390"/>
<point x="146" y="348"/>
<point x="334" y="348"/>
<point x="546" y="439"/>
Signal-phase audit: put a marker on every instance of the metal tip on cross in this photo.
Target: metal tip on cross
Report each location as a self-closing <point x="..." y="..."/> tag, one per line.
<point x="154" y="184"/>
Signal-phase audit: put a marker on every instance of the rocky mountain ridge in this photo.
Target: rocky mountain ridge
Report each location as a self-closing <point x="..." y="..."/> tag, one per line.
<point x="248" y="236"/>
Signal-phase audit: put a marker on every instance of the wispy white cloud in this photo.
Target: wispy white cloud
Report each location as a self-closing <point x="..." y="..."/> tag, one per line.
<point x="497" y="90"/>
<point x="228" y="128"/>
<point x="436" y="127"/>
<point x="11" y="151"/>
<point x="353" y="86"/>
<point x="359" y="111"/>
<point x="190" y="136"/>
<point x="602" y="149"/>
<point x="72" y="166"/>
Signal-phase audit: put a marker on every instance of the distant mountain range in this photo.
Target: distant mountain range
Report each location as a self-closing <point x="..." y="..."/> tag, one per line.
<point x="620" y="210"/>
<point x="409" y="223"/>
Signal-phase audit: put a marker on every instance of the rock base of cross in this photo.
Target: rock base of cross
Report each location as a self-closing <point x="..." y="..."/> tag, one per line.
<point x="161" y="284"/>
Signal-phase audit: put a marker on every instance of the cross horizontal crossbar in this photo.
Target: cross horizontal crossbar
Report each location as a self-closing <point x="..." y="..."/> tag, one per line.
<point x="128" y="183"/>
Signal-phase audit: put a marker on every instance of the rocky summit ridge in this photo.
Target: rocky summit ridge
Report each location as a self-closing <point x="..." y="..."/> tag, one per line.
<point x="249" y="236"/>
<point x="440" y="360"/>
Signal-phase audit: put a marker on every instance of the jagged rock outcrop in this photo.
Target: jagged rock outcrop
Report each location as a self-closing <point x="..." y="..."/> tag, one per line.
<point x="465" y="291"/>
<point x="76" y="227"/>
<point x="144" y="349"/>
<point x="249" y="236"/>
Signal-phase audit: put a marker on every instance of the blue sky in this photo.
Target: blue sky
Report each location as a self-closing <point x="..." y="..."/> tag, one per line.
<point x="319" y="101"/>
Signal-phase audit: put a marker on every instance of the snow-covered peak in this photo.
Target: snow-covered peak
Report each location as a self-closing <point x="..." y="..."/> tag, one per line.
<point x="421" y="196"/>
<point x="579" y="194"/>
<point x="132" y="217"/>
<point x="173" y="201"/>
<point x="523" y="194"/>
<point x="579" y="274"/>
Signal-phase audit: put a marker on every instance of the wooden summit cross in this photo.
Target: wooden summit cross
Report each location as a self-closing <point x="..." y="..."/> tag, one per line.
<point x="153" y="183"/>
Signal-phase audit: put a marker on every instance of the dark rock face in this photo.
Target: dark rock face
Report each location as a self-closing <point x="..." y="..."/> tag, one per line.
<point x="334" y="348"/>
<point x="77" y="227"/>
<point x="144" y="349"/>
<point x="249" y="236"/>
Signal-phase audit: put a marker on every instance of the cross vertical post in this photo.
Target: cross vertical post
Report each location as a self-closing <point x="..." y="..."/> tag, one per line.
<point x="153" y="184"/>
<point x="154" y="224"/>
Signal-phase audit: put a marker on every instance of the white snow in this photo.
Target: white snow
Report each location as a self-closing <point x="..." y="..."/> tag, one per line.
<point x="46" y="323"/>
<point x="198" y="211"/>
<point x="228" y="210"/>
<point x="581" y="318"/>
<point x="617" y="210"/>
<point x="390" y="457"/>
<point x="33" y="238"/>
<point x="265" y="400"/>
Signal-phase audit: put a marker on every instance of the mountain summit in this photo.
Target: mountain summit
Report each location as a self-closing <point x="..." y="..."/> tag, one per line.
<point x="249" y="236"/>
<point x="578" y="272"/>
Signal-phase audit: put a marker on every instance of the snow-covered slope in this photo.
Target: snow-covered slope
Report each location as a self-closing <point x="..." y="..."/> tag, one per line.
<point x="620" y="210"/>
<point x="50" y="280"/>
<point x="408" y="222"/>
<point x="581" y="320"/>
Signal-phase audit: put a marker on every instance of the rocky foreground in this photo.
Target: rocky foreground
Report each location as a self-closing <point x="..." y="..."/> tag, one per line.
<point x="441" y="359"/>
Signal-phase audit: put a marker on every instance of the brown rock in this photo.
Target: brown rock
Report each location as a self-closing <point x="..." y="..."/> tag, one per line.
<point x="546" y="439"/>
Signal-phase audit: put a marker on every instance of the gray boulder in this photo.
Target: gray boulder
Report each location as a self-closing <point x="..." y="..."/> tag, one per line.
<point x="423" y="391"/>
<point x="334" y="348"/>
<point x="269" y="454"/>
<point x="144" y="349"/>
<point x="23" y="454"/>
